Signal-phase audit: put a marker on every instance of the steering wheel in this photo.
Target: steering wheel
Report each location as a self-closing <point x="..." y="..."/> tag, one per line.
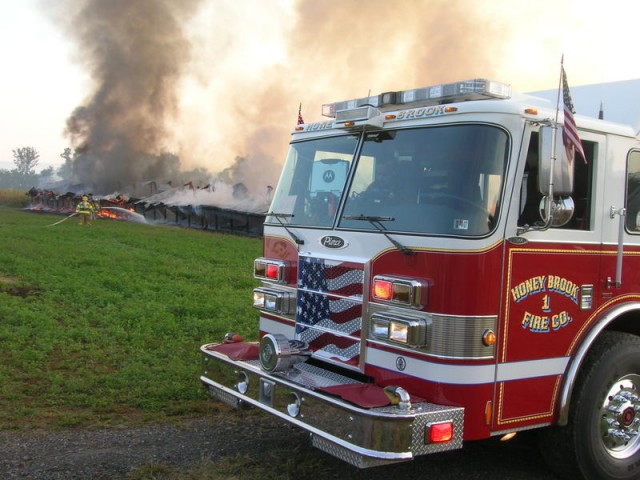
<point x="377" y="193"/>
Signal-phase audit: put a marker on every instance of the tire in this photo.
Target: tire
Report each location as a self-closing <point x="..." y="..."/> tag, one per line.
<point x="602" y="438"/>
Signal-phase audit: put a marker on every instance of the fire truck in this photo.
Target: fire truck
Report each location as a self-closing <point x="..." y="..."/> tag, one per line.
<point x="438" y="268"/>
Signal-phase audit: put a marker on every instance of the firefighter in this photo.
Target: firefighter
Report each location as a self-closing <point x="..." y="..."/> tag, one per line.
<point x="384" y="188"/>
<point x="85" y="210"/>
<point x="95" y="204"/>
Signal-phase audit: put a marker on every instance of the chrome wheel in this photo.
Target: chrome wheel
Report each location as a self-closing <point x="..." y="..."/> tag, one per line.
<point x="601" y="440"/>
<point x="620" y="421"/>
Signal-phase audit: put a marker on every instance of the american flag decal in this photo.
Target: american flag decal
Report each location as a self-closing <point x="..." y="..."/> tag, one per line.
<point x="329" y="308"/>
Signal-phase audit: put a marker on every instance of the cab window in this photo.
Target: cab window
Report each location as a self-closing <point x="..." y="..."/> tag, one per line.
<point x="530" y="196"/>
<point x="632" y="200"/>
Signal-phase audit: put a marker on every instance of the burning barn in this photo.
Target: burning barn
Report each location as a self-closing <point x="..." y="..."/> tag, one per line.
<point x="216" y="207"/>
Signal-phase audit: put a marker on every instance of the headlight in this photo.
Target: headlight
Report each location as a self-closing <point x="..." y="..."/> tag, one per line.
<point x="379" y="327"/>
<point x="407" y="331"/>
<point x="258" y="299"/>
<point x="399" y="331"/>
<point x="277" y="301"/>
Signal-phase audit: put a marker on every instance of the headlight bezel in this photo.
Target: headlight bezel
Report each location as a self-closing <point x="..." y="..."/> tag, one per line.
<point x="399" y="330"/>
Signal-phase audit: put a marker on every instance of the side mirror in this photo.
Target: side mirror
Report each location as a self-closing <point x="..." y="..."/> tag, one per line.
<point x="562" y="169"/>
<point x="561" y="210"/>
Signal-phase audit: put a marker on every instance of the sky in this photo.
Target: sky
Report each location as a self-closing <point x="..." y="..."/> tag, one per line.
<point x="248" y="65"/>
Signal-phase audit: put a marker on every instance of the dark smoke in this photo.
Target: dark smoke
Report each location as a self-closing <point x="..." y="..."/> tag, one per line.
<point x="136" y="52"/>
<point x="139" y="51"/>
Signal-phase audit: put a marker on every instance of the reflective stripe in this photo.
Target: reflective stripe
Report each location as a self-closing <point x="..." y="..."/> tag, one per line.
<point x="441" y="373"/>
<point x="466" y="374"/>
<point x="433" y="372"/>
<point x="532" y="368"/>
<point x="84" y="208"/>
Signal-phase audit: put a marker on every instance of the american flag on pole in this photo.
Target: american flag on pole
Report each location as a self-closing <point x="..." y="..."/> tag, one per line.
<point x="300" y="120"/>
<point x="572" y="142"/>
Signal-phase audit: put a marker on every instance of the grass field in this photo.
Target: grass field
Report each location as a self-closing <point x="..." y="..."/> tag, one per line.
<point x="101" y="325"/>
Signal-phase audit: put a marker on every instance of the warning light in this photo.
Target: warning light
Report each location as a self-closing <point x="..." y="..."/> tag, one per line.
<point x="488" y="338"/>
<point x="271" y="270"/>
<point x="401" y="291"/>
<point x="382" y="289"/>
<point x="438" y="432"/>
<point x="358" y="109"/>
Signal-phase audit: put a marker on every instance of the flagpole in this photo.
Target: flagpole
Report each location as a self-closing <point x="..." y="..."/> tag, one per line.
<point x="554" y="149"/>
<point x="300" y="120"/>
<point x="559" y="86"/>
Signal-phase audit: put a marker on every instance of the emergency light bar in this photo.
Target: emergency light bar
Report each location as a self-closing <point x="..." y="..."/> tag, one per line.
<point x="359" y="116"/>
<point x="355" y="115"/>
<point x="476" y="89"/>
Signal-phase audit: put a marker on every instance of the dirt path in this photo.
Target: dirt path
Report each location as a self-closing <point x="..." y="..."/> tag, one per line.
<point x="114" y="453"/>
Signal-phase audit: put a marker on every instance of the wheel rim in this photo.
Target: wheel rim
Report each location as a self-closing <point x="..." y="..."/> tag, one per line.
<point x="620" y="417"/>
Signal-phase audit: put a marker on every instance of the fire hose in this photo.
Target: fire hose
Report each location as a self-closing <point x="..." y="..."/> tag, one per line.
<point x="65" y="218"/>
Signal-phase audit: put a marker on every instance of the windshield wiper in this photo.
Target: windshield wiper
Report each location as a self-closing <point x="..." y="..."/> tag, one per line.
<point x="376" y="221"/>
<point x="279" y="217"/>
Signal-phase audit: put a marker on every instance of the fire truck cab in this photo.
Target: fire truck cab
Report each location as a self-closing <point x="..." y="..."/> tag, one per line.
<point x="438" y="268"/>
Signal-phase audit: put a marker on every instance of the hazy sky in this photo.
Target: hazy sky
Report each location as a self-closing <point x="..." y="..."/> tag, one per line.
<point x="292" y="51"/>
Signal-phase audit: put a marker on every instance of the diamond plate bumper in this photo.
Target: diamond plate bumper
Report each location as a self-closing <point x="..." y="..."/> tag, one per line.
<point x="360" y="436"/>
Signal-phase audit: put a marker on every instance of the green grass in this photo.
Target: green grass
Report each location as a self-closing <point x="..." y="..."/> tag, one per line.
<point x="101" y="325"/>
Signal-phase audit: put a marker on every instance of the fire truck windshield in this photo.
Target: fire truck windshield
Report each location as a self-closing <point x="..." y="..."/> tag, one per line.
<point x="312" y="181"/>
<point x="443" y="180"/>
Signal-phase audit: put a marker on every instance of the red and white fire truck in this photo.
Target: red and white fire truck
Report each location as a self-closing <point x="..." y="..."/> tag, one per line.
<point x="437" y="269"/>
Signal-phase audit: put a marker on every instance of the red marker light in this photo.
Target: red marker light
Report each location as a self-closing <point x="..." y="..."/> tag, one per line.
<point x="399" y="290"/>
<point x="382" y="289"/>
<point x="272" y="271"/>
<point x="439" y="432"/>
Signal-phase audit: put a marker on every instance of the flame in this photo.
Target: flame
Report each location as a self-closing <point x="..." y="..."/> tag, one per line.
<point x="108" y="214"/>
<point x="114" y="214"/>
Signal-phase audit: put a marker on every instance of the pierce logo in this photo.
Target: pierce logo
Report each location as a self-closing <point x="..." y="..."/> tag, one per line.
<point x="331" y="241"/>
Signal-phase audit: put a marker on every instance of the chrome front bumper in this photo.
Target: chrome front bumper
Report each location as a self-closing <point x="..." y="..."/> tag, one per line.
<point x="360" y="436"/>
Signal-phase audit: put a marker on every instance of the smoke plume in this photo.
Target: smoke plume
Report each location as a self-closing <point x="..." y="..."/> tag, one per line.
<point x="331" y="51"/>
<point x="136" y="53"/>
<point x="218" y="83"/>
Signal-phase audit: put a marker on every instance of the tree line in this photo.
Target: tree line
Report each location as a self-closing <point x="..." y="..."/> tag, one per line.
<point x="24" y="175"/>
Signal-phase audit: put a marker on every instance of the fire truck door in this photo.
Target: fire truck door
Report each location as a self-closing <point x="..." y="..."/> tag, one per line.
<point x="546" y="274"/>
<point x="621" y="231"/>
